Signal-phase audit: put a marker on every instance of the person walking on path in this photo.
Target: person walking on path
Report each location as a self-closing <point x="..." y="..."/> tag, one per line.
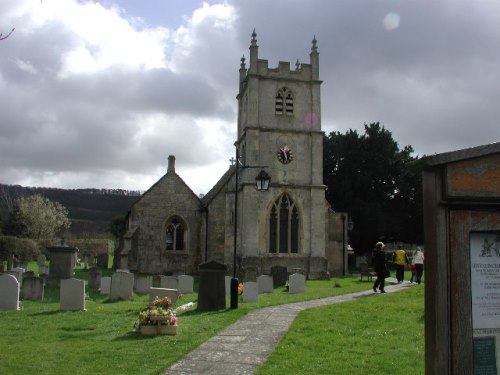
<point x="418" y="261"/>
<point x="400" y="259"/>
<point x="379" y="262"/>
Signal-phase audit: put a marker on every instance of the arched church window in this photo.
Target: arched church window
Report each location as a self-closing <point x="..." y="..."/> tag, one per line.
<point x="284" y="102"/>
<point x="175" y="234"/>
<point x="284" y="226"/>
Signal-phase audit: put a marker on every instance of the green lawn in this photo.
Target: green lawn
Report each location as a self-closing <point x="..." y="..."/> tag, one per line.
<point x="41" y="339"/>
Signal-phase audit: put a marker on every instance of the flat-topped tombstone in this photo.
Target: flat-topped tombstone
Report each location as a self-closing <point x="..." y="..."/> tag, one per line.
<point x="186" y="284"/>
<point x="62" y="263"/>
<point x="105" y="285"/>
<point x="32" y="288"/>
<point x="265" y="284"/>
<point x="279" y="275"/>
<point x="172" y="294"/>
<point x="28" y="274"/>
<point x="250" y="291"/>
<point x="169" y="282"/>
<point x="72" y="295"/>
<point x="143" y="283"/>
<point x="122" y="286"/>
<point x="227" y="284"/>
<point x="211" y="295"/>
<point x="9" y="292"/>
<point x="297" y="283"/>
<point x="95" y="275"/>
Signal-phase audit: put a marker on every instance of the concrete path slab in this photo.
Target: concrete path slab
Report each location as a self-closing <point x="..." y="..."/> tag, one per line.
<point x="245" y="345"/>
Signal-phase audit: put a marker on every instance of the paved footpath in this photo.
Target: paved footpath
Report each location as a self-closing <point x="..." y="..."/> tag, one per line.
<point x="245" y="345"/>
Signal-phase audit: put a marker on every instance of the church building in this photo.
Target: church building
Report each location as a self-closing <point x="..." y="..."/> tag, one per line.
<point x="171" y="230"/>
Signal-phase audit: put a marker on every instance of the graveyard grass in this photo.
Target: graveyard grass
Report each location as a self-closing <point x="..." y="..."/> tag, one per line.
<point x="357" y="337"/>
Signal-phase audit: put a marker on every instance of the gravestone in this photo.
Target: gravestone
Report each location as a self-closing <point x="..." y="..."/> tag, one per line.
<point x="28" y="274"/>
<point x="62" y="263"/>
<point x="122" y="286"/>
<point x="279" y="275"/>
<point x="186" y="284"/>
<point x="265" y="284"/>
<point x="17" y="272"/>
<point x="72" y="295"/>
<point x="169" y="282"/>
<point x="211" y="295"/>
<point x="95" y="275"/>
<point x="250" y="291"/>
<point x="227" y="284"/>
<point x="41" y="259"/>
<point x="102" y="261"/>
<point x="250" y="273"/>
<point x="157" y="281"/>
<point x="43" y="270"/>
<point x="297" y="283"/>
<point x="173" y="294"/>
<point x="32" y="288"/>
<point x="143" y="283"/>
<point x="9" y="292"/>
<point x="105" y="285"/>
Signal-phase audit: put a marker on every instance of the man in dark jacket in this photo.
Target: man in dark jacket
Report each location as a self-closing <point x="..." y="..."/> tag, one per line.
<point x="379" y="263"/>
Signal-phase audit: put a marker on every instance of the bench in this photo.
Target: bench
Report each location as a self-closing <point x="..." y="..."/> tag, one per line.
<point x="366" y="271"/>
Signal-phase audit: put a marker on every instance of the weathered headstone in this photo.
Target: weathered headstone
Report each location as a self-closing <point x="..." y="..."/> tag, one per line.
<point x="265" y="284"/>
<point x="143" y="283"/>
<point x="186" y="284"/>
<point x="122" y="286"/>
<point x="28" y="274"/>
<point x="157" y="281"/>
<point x="227" y="284"/>
<point x="173" y="294"/>
<point x="43" y="270"/>
<point x="105" y="285"/>
<point x="72" y="295"/>
<point x="95" y="275"/>
<point x="279" y="275"/>
<point x="297" y="283"/>
<point x="17" y="272"/>
<point x="32" y="288"/>
<point x="211" y="295"/>
<point x="169" y="282"/>
<point x="9" y="292"/>
<point x="250" y="291"/>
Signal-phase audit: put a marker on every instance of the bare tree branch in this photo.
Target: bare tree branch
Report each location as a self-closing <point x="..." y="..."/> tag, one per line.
<point x="6" y="36"/>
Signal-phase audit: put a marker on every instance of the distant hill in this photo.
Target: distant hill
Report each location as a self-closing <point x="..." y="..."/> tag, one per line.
<point x="91" y="210"/>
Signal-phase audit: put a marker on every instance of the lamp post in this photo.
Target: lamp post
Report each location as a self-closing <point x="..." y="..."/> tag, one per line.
<point x="262" y="182"/>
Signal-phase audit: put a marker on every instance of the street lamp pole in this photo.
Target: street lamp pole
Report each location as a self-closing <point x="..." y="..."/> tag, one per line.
<point x="262" y="184"/>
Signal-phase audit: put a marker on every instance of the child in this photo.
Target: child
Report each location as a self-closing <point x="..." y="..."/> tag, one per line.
<point x="413" y="270"/>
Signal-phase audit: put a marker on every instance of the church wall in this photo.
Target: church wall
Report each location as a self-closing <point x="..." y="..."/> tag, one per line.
<point x="169" y="197"/>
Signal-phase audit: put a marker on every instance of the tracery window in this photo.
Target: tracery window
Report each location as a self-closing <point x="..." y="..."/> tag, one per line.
<point x="284" y="102"/>
<point x="175" y="234"/>
<point x="284" y="226"/>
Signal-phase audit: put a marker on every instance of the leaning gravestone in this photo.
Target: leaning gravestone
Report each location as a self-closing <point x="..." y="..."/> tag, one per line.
<point x="9" y="292"/>
<point x="122" y="286"/>
<point x="186" y="284"/>
<point x="265" y="284"/>
<point x="32" y="288"/>
<point x="250" y="291"/>
<point x="169" y="282"/>
<point x="72" y="295"/>
<point x="105" y="285"/>
<point x="297" y="283"/>
<point x="172" y="294"/>
<point x="211" y="295"/>
<point x="279" y="275"/>
<point x="95" y="275"/>
<point x="143" y="283"/>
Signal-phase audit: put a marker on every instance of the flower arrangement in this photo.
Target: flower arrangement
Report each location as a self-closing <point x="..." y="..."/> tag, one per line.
<point x="240" y="289"/>
<point x="163" y="303"/>
<point x="158" y="314"/>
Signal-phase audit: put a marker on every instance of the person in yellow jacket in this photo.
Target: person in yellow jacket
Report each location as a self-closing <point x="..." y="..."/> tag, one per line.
<point x="400" y="259"/>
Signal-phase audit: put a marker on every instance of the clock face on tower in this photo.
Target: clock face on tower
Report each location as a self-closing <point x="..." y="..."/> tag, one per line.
<point x="285" y="155"/>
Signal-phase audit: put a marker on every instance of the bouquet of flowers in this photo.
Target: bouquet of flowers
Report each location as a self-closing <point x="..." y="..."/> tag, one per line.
<point x="159" y="313"/>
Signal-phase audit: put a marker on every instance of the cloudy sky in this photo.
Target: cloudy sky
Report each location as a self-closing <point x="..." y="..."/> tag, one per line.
<point x="99" y="93"/>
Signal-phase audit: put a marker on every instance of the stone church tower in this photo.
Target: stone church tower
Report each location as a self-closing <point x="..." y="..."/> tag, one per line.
<point x="171" y="230"/>
<point x="279" y="127"/>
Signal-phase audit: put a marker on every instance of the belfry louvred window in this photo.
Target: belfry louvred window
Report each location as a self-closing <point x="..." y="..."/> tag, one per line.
<point x="284" y="226"/>
<point x="284" y="102"/>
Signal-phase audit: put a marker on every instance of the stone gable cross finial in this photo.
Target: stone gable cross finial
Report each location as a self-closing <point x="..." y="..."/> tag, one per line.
<point x="314" y="47"/>
<point x="254" y="39"/>
<point x="297" y="65"/>
<point x="242" y="66"/>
